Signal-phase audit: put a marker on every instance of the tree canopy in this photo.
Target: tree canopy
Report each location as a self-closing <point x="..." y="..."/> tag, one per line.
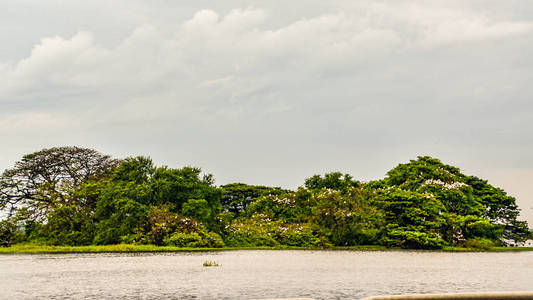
<point x="43" y="181"/>
<point x="78" y="196"/>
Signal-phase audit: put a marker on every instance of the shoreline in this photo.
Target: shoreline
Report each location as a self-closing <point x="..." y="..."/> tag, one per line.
<point x="129" y="248"/>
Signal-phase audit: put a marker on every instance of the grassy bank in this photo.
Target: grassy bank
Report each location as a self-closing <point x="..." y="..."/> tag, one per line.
<point x="31" y="248"/>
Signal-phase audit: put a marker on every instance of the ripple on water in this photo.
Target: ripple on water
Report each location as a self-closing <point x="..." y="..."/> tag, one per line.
<point x="261" y="274"/>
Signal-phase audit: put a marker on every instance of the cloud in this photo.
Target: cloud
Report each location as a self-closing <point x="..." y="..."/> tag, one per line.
<point x="30" y="121"/>
<point x="275" y="94"/>
<point x="208" y="47"/>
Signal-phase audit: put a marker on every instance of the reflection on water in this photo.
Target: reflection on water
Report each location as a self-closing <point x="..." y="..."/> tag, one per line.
<point x="261" y="274"/>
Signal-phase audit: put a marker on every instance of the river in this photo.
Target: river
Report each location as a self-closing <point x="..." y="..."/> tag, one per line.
<point x="255" y="274"/>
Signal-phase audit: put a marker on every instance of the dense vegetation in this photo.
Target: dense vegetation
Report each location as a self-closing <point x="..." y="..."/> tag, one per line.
<point x="76" y="196"/>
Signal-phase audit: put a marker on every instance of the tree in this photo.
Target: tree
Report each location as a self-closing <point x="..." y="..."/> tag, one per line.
<point x="413" y="219"/>
<point x="237" y="196"/>
<point x="137" y="186"/>
<point x="347" y="218"/>
<point x="43" y="181"/>
<point x="174" y="187"/>
<point x="335" y="181"/>
<point x="471" y="208"/>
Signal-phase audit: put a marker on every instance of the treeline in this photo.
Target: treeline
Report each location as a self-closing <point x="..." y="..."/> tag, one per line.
<point x="78" y="196"/>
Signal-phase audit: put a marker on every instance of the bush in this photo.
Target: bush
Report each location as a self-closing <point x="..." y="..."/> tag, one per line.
<point x="479" y="243"/>
<point x="10" y="233"/>
<point x="198" y="209"/>
<point x="260" y="230"/>
<point x="411" y="238"/>
<point x="195" y="240"/>
<point x="296" y="235"/>
<point x="68" y="226"/>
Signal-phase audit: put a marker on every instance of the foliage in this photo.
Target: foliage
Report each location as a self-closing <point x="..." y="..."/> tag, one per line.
<point x="120" y="210"/>
<point x="237" y="196"/>
<point x="466" y="206"/>
<point x="10" y="233"/>
<point x="479" y="243"/>
<point x="76" y="196"/>
<point x="164" y="227"/>
<point x="209" y="263"/>
<point x="68" y="225"/>
<point x="413" y="237"/>
<point x="260" y="230"/>
<point x="347" y="218"/>
<point x="202" y="239"/>
<point x="43" y="181"/>
<point x="335" y="181"/>
<point x="198" y="209"/>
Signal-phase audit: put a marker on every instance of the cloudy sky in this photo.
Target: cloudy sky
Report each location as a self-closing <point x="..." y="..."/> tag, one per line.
<point x="271" y="92"/>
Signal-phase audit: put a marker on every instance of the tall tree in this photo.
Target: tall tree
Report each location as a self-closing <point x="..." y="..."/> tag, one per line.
<point x="43" y="181"/>
<point x="237" y="196"/>
<point x="334" y="180"/>
<point x="460" y="196"/>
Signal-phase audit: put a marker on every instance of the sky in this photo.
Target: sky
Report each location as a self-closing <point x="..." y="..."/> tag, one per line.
<point x="272" y="92"/>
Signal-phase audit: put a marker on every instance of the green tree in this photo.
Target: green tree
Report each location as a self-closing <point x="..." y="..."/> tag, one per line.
<point x="43" y="181"/>
<point x="348" y="218"/>
<point x="122" y="207"/>
<point x="198" y="209"/>
<point x="334" y="180"/>
<point x="413" y="220"/>
<point x="177" y="186"/>
<point x="461" y="196"/>
<point x="237" y="196"/>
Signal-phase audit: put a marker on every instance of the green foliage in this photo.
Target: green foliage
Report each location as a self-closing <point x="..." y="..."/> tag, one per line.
<point x="347" y="218"/>
<point x="68" y="225"/>
<point x="171" y="229"/>
<point x="135" y="169"/>
<point x="209" y="263"/>
<point x="237" y="196"/>
<point x="121" y="209"/>
<point x="260" y="230"/>
<point x="479" y="243"/>
<point x="43" y="181"/>
<point x="177" y="186"/>
<point x="467" y="206"/>
<point x="412" y="237"/>
<point x="195" y="240"/>
<point x="274" y="206"/>
<point x="198" y="209"/>
<point x="160" y="224"/>
<point x="76" y="196"/>
<point x="335" y="181"/>
<point x="10" y="233"/>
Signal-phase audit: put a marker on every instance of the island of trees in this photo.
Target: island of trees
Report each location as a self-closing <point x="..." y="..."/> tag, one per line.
<point x="78" y="196"/>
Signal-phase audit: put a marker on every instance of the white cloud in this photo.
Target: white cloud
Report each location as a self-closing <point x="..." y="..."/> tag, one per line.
<point x="361" y="85"/>
<point x="30" y="121"/>
<point x="209" y="46"/>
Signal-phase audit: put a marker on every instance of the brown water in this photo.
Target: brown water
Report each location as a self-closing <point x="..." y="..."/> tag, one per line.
<point x="261" y="274"/>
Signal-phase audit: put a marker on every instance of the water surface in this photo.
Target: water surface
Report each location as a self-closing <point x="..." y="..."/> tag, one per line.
<point x="261" y="274"/>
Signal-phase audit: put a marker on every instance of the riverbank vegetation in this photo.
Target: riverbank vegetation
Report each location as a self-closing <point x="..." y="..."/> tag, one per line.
<point x="137" y="248"/>
<point x="71" y="196"/>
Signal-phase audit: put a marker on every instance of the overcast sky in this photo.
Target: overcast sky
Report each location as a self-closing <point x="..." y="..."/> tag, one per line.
<point x="272" y="92"/>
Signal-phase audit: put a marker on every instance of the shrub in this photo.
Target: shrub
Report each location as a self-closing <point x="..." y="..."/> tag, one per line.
<point x="198" y="209"/>
<point x="195" y="240"/>
<point x="209" y="263"/>
<point x="407" y="237"/>
<point x="260" y="230"/>
<point x="10" y="233"/>
<point x="479" y="243"/>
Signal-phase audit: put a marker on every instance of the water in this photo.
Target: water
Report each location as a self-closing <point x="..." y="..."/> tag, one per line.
<point x="261" y="274"/>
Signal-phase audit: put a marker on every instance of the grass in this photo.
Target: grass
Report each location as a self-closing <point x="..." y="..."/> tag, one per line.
<point x="32" y="248"/>
<point x="209" y="263"/>
<point x="492" y="249"/>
